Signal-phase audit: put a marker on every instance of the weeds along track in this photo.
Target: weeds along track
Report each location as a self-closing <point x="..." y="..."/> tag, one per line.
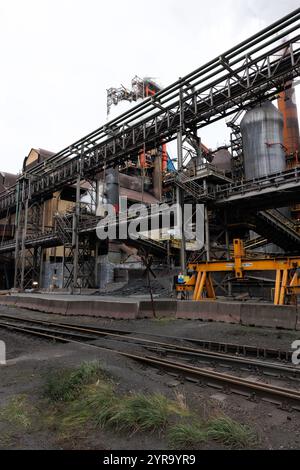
<point x="281" y="396"/>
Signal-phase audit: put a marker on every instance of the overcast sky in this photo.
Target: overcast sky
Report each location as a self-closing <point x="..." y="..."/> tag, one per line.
<point x="58" y="57"/>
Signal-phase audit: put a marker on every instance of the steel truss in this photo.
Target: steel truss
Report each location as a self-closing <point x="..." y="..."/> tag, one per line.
<point x="28" y="260"/>
<point x="85" y="265"/>
<point x="255" y="70"/>
<point x="79" y="246"/>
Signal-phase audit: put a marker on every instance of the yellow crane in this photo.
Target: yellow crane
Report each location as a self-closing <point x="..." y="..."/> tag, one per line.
<point x="287" y="283"/>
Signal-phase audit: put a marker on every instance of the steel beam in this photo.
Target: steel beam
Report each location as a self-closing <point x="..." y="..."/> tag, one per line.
<point x="246" y="74"/>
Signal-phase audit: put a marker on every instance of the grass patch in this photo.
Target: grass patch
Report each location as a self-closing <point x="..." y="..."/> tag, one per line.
<point x="85" y="399"/>
<point x="223" y="430"/>
<point x="96" y="404"/>
<point x="67" y="385"/>
<point x="6" y="439"/>
<point x="231" y="433"/>
<point x="143" y="413"/>
<point x="187" y="436"/>
<point x="100" y="405"/>
<point x="17" y="412"/>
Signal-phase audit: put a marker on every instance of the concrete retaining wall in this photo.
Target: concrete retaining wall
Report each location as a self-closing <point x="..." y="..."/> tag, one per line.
<point x="39" y="304"/>
<point x="162" y="308"/>
<point x="104" y="309"/>
<point x="274" y="316"/>
<point x="262" y="315"/>
<point x="209" y="311"/>
<point x="248" y="314"/>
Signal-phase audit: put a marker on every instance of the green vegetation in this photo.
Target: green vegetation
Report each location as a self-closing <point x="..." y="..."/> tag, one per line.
<point x="187" y="435"/>
<point x="231" y="433"/>
<point x="5" y="440"/>
<point x="143" y="413"/>
<point x="17" y="412"/>
<point x="84" y="400"/>
<point x="95" y="404"/>
<point x="91" y="398"/>
<point x="67" y="385"/>
<point x="222" y="429"/>
<point x="131" y="413"/>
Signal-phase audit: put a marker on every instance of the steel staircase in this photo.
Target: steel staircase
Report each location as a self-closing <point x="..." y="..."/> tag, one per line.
<point x="63" y="226"/>
<point x="190" y="186"/>
<point x="273" y="225"/>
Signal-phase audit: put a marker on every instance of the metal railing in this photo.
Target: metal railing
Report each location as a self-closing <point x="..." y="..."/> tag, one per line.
<point x="274" y="180"/>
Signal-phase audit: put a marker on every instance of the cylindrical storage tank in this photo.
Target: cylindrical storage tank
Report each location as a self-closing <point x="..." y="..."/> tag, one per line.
<point x="112" y="187"/>
<point x="262" y="132"/>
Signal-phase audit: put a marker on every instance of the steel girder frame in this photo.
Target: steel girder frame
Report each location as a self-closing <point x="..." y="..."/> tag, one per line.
<point x="78" y="259"/>
<point x="28" y="268"/>
<point x="85" y="277"/>
<point x="252" y="71"/>
<point x="28" y="261"/>
<point x="255" y="70"/>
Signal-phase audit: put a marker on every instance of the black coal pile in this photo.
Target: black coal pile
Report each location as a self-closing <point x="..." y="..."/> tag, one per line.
<point x="160" y="288"/>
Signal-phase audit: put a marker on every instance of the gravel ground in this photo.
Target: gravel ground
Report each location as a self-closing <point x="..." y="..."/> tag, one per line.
<point x="30" y="359"/>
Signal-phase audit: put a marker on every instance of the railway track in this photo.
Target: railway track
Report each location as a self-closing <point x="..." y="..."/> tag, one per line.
<point x="284" y="397"/>
<point x="214" y="346"/>
<point x="83" y="333"/>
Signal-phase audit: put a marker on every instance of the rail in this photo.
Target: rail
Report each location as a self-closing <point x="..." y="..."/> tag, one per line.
<point x="285" y="397"/>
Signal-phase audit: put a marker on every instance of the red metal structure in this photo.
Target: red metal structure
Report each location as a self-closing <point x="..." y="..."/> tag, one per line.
<point x="291" y="139"/>
<point x="288" y="107"/>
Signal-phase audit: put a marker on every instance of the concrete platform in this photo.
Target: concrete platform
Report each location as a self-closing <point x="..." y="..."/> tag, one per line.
<point x="244" y="313"/>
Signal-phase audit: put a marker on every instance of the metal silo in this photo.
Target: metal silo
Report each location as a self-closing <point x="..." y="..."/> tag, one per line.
<point x="262" y="132"/>
<point x="112" y="187"/>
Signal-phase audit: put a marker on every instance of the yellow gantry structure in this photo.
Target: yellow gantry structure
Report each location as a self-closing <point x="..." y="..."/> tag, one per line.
<point x="287" y="283"/>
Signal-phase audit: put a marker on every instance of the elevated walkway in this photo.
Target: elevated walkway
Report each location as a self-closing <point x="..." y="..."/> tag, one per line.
<point x="276" y="190"/>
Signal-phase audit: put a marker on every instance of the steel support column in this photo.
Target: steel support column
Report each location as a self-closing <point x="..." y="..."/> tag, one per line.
<point x="179" y="192"/>
<point x="75" y="238"/>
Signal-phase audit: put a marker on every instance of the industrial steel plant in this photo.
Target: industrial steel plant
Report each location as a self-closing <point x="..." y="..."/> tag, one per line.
<point x="193" y="233"/>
